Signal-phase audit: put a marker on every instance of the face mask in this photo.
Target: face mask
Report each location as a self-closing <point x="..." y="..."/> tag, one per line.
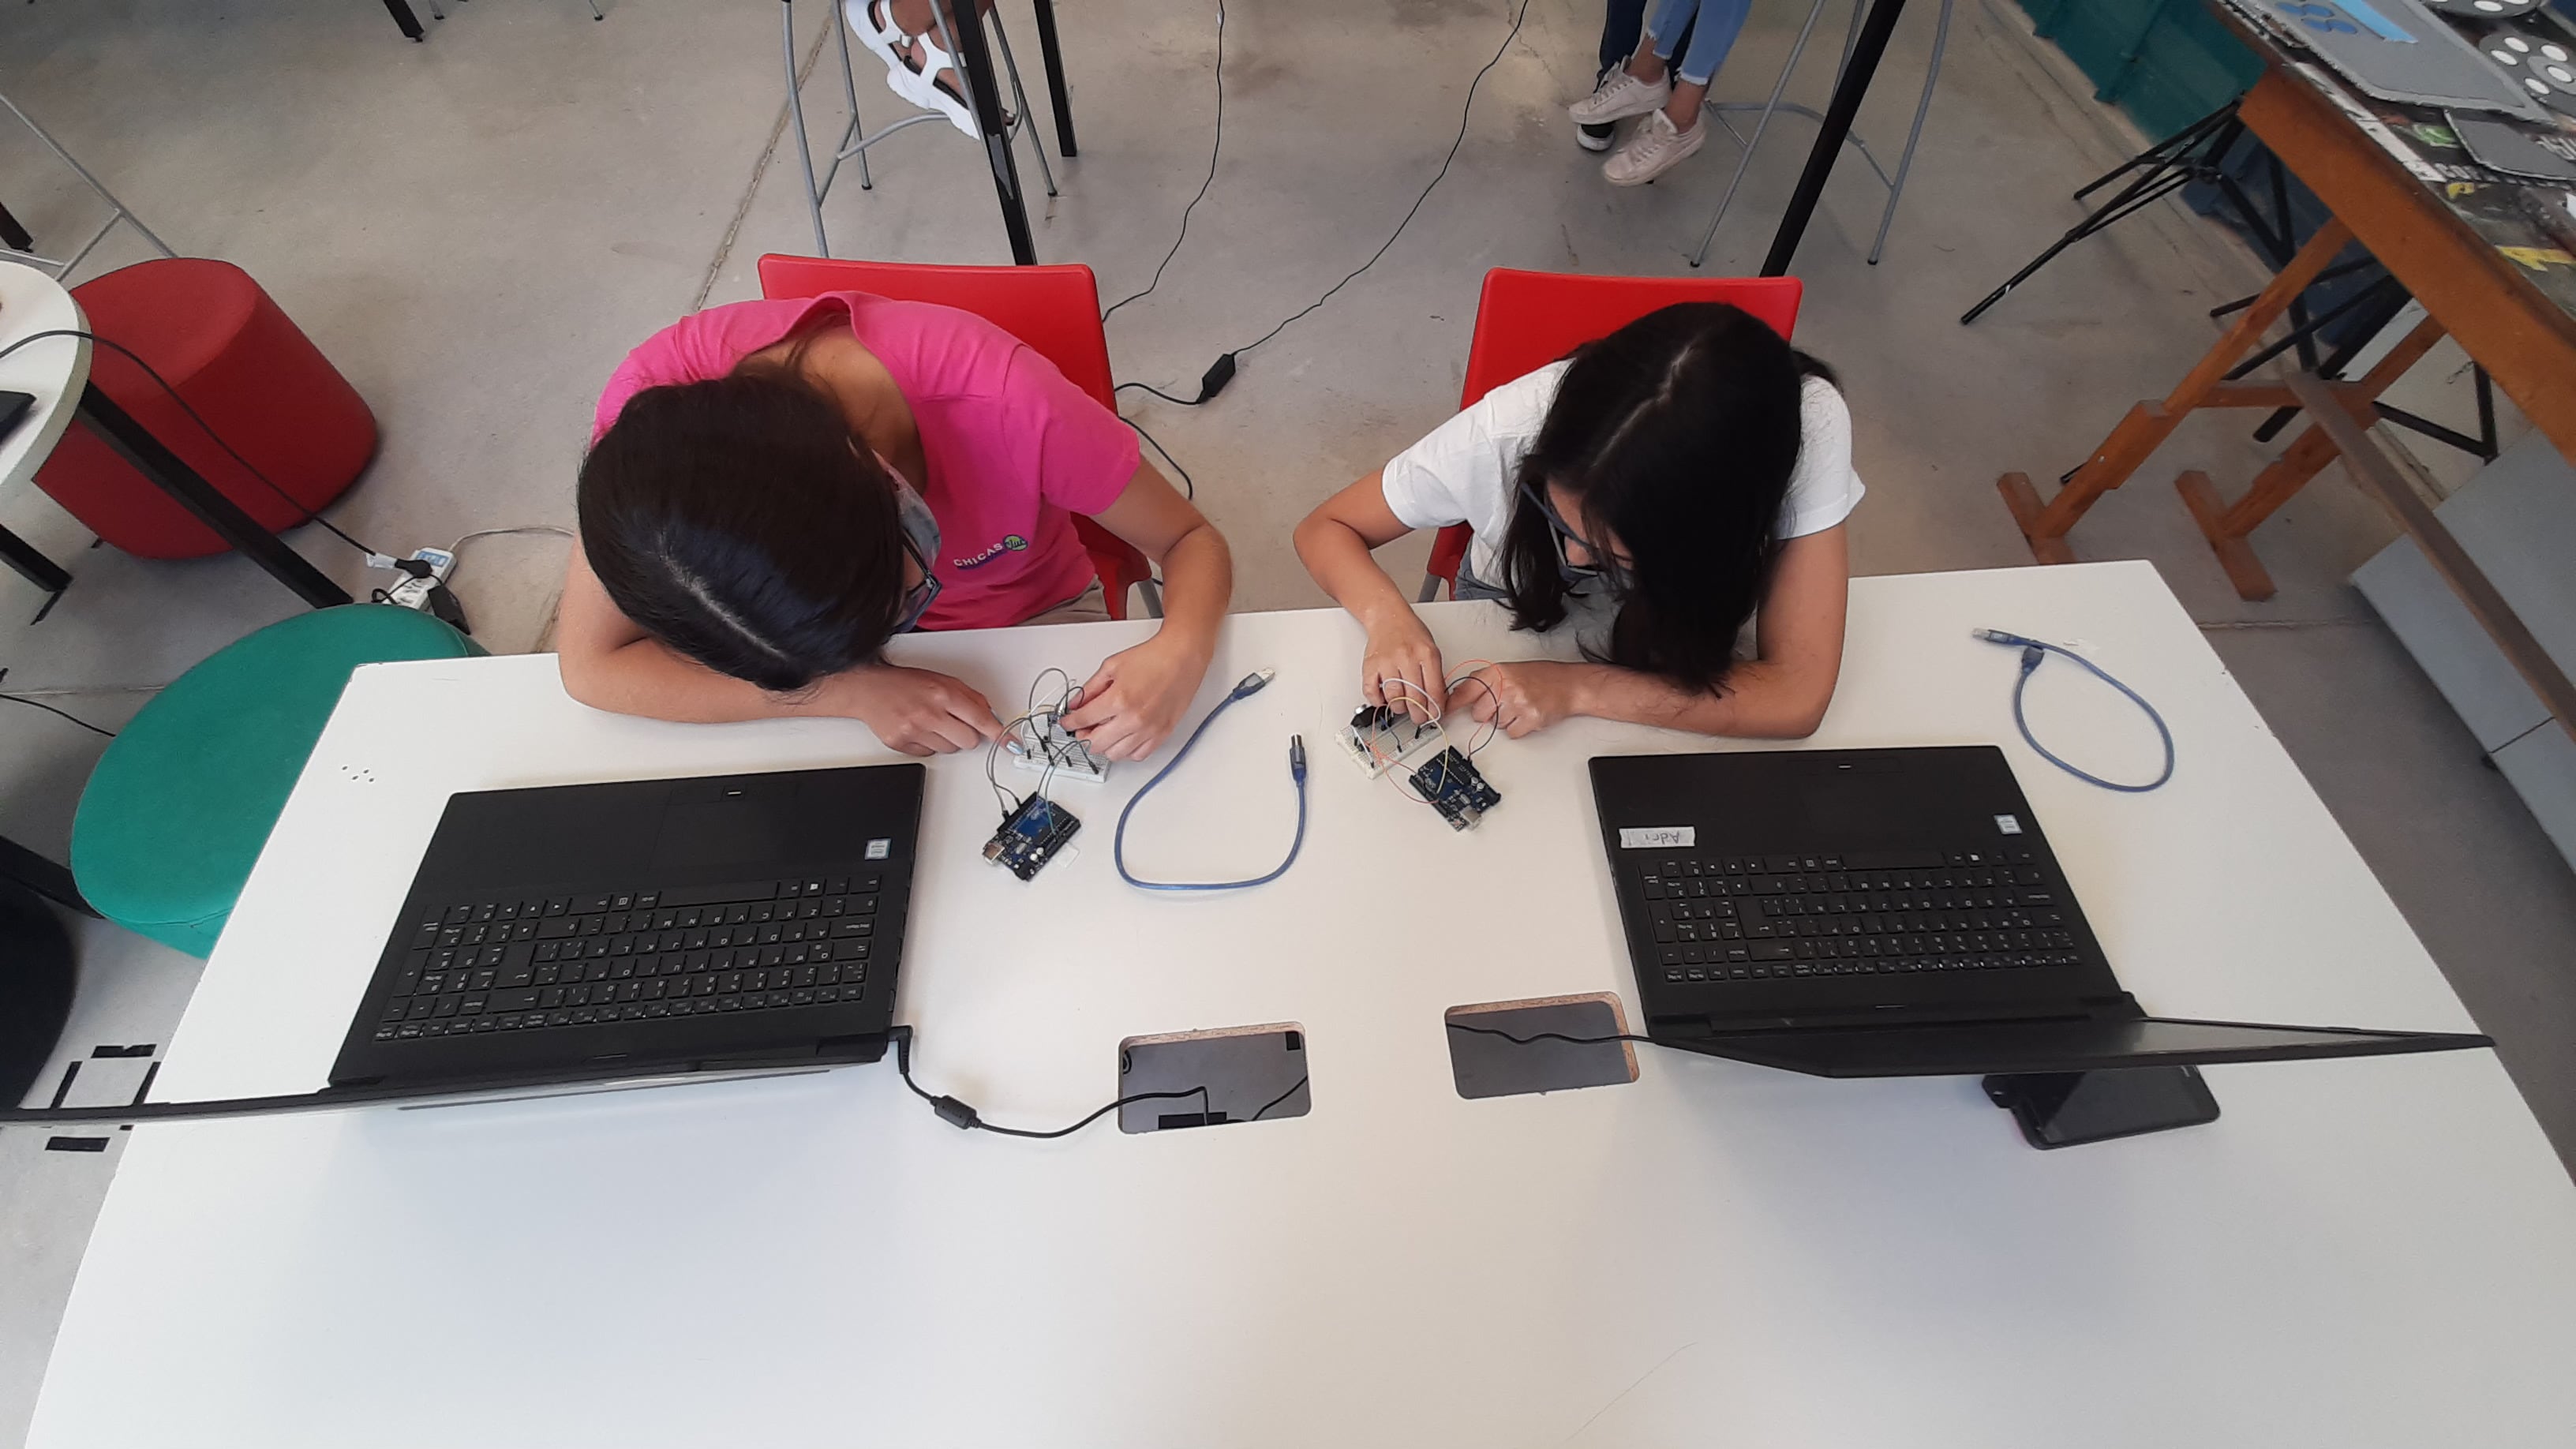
<point x="921" y="542"/>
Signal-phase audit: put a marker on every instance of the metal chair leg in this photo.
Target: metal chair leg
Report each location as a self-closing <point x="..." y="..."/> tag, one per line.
<point x="1028" y="120"/>
<point x="796" y="119"/>
<point x="118" y="210"/>
<point x="1745" y="162"/>
<point x="1922" y="108"/>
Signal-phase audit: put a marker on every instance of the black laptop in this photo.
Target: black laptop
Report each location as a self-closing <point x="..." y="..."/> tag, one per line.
<point x="1892" y="912"/>
<point x="591" y="932"/>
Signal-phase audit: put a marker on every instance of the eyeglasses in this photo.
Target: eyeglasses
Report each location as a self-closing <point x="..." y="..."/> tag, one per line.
<point x="1603" y="566"/>
<point x="917" y="599"/>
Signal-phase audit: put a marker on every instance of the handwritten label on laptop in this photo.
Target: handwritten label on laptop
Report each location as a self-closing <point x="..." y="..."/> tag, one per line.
<point x="1658" y="837"/>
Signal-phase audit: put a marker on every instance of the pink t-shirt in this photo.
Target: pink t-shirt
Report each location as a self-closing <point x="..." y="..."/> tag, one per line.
<point x="1013" y="448"/>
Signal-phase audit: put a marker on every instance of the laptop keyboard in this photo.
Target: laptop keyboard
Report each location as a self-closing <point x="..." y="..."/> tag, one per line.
<point x="1760" y="918"/>
<point x="493" y="964"/>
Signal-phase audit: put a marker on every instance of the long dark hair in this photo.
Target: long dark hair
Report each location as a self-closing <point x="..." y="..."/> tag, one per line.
<point x="738" y="520"/>
<point x="1678" y="433"/>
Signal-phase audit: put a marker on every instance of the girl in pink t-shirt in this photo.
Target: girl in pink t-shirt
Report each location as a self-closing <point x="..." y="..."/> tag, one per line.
<point x="774" y="489"/>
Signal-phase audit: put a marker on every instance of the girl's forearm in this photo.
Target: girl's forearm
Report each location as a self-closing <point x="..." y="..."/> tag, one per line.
<point x="1198" y="583"/>
<point x="1341" y="562"/>
<point x="1762" y="700"/>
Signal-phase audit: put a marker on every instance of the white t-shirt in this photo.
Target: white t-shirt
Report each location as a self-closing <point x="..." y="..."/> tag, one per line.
<point x="1463" y="471"/>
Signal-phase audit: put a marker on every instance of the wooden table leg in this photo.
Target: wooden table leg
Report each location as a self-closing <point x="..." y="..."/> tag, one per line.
<point x="2150" y="423"/>
<point x="2226" y="525"/>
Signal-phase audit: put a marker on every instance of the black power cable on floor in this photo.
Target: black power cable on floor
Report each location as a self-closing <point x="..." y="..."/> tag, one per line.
<point x="1221" y="371"/>
<point x="1216" y="144"/>
<point x="1189" y="489"/>
<point x="49" y="709"/>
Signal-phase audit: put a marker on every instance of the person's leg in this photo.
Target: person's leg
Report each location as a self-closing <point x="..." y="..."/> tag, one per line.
<point x="915" y="36"/>
<point x="1622" y="22"/>
<point x="1675" y="132"/>
<point x="1091" y="606"/>
<point x="1713" y="32"/>
<point x="1642" y="84"/>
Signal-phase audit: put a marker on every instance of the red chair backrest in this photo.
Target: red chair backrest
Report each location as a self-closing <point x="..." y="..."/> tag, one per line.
<point x="1054" y="309"/>
<point x="1526" y="320"/>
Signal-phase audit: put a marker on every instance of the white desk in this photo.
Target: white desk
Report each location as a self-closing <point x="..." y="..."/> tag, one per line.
<point x="2358" y="1252"/>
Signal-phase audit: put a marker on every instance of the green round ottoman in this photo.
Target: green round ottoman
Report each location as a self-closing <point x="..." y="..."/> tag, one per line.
<point x="180" y="805"/>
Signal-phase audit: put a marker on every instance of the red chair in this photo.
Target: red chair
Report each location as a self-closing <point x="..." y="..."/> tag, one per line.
<point x="1055" y="310"/>
<point x="248" y="373"/>
<point x="1526" y="320"/>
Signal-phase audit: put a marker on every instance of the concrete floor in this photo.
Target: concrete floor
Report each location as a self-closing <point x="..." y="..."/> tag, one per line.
<point x="475" y="230"/>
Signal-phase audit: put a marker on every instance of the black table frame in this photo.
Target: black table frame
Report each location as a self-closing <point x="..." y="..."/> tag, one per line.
<point x="171" y="474"/>
<point x="1849" y="90"/>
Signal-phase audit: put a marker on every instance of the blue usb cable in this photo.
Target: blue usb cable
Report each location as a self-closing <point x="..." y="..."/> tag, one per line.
<point x="1252" y="684"/>
<point x="2033" y="652"/>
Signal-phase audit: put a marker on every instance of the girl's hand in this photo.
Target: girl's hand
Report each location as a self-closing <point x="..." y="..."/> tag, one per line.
<point x="1523" y="698"/>
<point x="916" y="711"/>
<point x="1401" y="667"/>
<point x="1136" y="699"/>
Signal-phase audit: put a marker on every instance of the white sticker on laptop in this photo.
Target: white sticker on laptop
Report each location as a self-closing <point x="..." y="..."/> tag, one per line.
<point x="1658" y="837"/>
<point x="2008" y="824"/>
<point x="880" y="848"/>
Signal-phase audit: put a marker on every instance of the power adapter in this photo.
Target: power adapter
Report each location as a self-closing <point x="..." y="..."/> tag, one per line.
<point x="1213" y="381"/>
<point x="423" y="587"/>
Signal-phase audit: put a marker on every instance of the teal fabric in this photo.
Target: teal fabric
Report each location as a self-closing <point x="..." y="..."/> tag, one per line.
<point x="2166" y="62"/>
<point x="183" y="801"/>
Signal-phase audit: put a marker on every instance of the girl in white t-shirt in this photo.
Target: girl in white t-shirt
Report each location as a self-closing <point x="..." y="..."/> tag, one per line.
<point x="1660" y="487"/>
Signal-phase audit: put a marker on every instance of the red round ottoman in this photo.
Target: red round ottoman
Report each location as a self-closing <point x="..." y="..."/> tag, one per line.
<point x="263" y="387"/>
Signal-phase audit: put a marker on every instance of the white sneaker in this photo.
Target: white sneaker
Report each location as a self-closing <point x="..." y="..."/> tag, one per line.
<point x="1618" y="97"/>
<point x="1652" y="149"/>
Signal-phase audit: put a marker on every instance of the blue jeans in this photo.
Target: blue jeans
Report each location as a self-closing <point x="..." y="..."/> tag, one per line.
<point x="1708" y="26"/>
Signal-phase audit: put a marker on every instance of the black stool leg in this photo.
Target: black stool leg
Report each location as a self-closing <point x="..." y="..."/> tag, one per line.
<point x="401" y="12"/>
<point x="35" y="568"/>
<point x="171" y="474"/>
<point x="975" y="66"/>
<point x="1054" y="57"/>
